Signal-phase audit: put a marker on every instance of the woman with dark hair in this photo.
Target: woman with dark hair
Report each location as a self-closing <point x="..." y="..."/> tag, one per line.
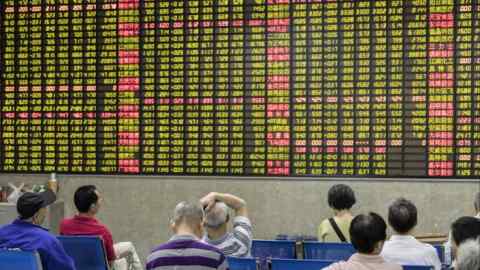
<point x="341" y="198"/>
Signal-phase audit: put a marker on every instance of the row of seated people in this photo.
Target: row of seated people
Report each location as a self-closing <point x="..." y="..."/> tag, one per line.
<point x="26" y="233"/>
<point x="402" y="248"/>
<point x="201" y="239"/>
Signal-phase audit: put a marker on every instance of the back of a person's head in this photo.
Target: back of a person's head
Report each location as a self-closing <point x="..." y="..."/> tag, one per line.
<point x="341" y="197"/>
<point x="85" y="197"/>
<point x="188" y="213"/>
<point x="402" y="215"/>
<point x="468" y="256"/>
<point x="465" y="228"/>
<point x="216" y="216"/>
<point x="366" y="231"/>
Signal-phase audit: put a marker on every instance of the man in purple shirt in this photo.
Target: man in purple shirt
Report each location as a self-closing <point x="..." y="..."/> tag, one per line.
<point x="185" y="250"/>
<point x="25" y="233"/>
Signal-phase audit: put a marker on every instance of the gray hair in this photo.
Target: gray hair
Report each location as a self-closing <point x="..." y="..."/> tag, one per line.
<point x="477" y="201"/>
<point x="469" y="255"/>
<point x="217" y="215"/>
<point x="188" y="212"/>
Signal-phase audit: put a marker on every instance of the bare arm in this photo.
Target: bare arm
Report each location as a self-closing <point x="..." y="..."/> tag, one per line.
<point x="236" y="203"/>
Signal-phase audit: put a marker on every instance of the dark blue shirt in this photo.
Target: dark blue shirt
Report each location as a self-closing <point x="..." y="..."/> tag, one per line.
<point x="30" y="237"/>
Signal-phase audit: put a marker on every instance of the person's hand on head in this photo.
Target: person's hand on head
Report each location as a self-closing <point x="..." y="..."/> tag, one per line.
<point x="17" y="189"/>
<point x="208" y="201"/>
<point x="16" y="192"/>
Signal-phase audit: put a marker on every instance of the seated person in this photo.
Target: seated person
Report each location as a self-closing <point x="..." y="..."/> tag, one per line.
<point x="88" y="201"/>
<point x="26" y="233"/>
<point x="341" y="198"/>
<point x="463" y="229"/>
<point x="368" y="233"/>
<point x="403" y="248"/>
<point x="236" y="243"/>
<point x="185" y="251"/>
<point x="469" y="255"/>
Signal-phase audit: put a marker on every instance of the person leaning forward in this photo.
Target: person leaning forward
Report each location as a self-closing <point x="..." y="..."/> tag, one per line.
<point x="26" y="233"/>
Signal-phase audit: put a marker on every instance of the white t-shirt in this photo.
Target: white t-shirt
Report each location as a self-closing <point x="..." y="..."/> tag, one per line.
<point x="406" y="250"/>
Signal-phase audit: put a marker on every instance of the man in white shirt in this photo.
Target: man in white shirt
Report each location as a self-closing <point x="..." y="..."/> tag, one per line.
<point x="403" y="248"/>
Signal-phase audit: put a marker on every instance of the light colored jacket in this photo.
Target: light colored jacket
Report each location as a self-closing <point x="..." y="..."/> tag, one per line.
<point x="406" y="250"/>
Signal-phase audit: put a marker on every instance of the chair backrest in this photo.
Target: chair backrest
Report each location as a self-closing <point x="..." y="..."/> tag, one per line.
<point x="20" y="260"/>
<point x="327" y="251"/>
<point x="86" y="251"/>
<point x="267" y="249"/>
<point x="296" y="237"/>
<point x="417" y="267"/>
<point x="278" y="249"/>
<point x="235" y="263"/>
<point x="285" y="264"/>
<point x="440" y="252"/>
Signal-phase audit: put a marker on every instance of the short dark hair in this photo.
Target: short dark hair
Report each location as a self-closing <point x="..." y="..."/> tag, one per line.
<point x="366" y="231"/>
<point x="341" y="197"/>
<point x="84" y="197"/>
<point x="402" y="215"/>
<point x="465" y="228"/>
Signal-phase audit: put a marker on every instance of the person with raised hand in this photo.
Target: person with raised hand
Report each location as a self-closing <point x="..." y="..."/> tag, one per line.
<point x="237" y="242"/>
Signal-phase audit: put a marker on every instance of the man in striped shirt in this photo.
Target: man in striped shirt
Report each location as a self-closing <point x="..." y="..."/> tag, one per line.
<point x="237" y="242"/>
<point x="185" y="251"/>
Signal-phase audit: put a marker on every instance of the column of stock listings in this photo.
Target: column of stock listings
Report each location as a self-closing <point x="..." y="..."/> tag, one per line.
<point x="241" y="87"/>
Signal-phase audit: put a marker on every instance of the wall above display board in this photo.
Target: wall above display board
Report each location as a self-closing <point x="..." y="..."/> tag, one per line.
<point x="241" y="88"/>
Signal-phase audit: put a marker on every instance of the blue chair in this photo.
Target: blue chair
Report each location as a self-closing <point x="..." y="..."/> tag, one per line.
<point x="417" y="267"/>
<point x="235" y="263"/>
<point x="86" y="251"/>
<point x="327" y="251"/>
<point x="20" y="260"/>
<point x="268" y="249"/>
<point x="278" y="249"/>
<point x="282" y="264"/>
